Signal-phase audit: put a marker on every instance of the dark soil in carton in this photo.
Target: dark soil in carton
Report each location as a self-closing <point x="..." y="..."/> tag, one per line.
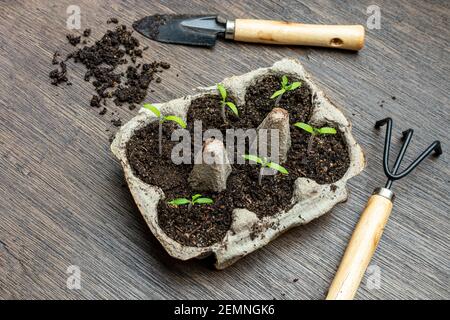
<point x="207" y="109"/>
<point x="149" y="166"/>
<point x="327" y="161"/>
<point x="205" y="225"/>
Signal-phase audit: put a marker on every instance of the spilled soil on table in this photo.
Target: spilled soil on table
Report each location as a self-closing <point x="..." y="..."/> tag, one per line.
<point x="204" y="225"/>
<point x="111" y="66"/>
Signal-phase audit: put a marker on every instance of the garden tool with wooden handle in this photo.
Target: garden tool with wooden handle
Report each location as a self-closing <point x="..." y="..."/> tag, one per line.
<point x="202" y="30"/>
<point x="370" y="227"/>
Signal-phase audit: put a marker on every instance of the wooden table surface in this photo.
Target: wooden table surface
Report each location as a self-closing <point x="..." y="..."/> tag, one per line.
<point x="62" y="199"/>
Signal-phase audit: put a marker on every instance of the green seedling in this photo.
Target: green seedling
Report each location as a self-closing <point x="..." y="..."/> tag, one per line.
<point x="314" y="132"/>
<point x="195" y="199"/>
<point x="224" y="103"/>
<point x="284" y="87"/>
<point x="163" y="119"/>
<point x="265" y="163"/>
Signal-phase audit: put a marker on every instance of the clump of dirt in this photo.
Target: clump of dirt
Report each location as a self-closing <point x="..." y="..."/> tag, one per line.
<point x="55" y="59"/>
<point x="134" y="90"/>
<point x="112" y="20"/>
<point x="59" y="75"/>
<point x="102" y="58"/>
<point x="73" y="40"/>
<point x="103" y="61"/>
<point x="116" y="122"/>
<point x="87" y="32"/>
<point x="199" y="226"/>
<point x="143" y="156"/>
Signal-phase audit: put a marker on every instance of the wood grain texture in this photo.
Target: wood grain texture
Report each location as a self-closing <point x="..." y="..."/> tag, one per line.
<point x="62" y="201"/>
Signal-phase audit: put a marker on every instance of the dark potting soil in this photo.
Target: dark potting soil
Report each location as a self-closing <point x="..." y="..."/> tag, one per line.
<point x="112" y="20"/>
<point x="59" y="75"/>
<point x="208" y="110"/>
<point x="87" y="32"/>
<point x="153" y="27"/>
<point x="148" y="165"/>
<point x="55" y="59"/>
<point x="207" y="224"/>
<point x="73" y="40"/>
<point x="327" y="161"/>
<point x="201" y="225"/>
<point x="102" y="60"/>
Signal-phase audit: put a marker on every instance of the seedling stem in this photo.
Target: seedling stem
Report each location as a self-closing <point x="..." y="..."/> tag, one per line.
<point x="224" y="103"/>
<point x="264" y="163"/>
<point x="284" y="87"/>
<point x="162" y="119"/>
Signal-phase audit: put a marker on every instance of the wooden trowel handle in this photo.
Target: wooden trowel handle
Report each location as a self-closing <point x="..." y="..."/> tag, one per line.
<point x="279" y="32"/>
<point x="361" y="248"/>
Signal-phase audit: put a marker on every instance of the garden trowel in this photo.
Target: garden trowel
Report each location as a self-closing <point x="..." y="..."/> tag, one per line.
<point x="202" y="30"/>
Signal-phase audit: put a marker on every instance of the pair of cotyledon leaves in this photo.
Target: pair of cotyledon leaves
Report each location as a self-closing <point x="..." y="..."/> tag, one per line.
<point x="265" y="163"/>
<point x="285" y="87"/>
<point x="229" y="104"/>
<point x="313" y="130"/>
<point x="195" y="199"/>
<point x="162" y="118"/>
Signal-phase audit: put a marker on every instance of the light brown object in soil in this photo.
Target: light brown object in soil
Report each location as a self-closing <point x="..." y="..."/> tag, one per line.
<point x="212" y="168"/>
<point x="277" y="119"/>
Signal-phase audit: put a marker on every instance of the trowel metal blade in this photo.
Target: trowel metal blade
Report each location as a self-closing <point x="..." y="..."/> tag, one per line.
<point x="196" y="30"/>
